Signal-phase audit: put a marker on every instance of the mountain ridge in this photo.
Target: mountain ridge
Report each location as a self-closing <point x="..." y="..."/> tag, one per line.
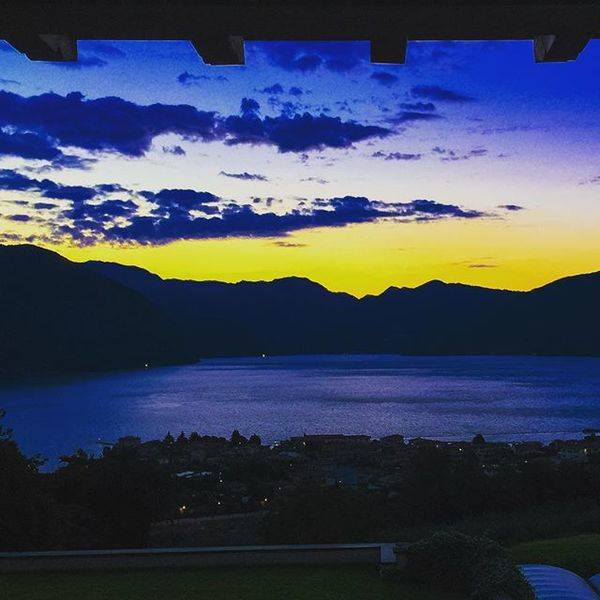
<point x="426" y="284"/>
<point x="57" y="316"/>
<point x="107" y="315"/>
<point x="436" y="317"/>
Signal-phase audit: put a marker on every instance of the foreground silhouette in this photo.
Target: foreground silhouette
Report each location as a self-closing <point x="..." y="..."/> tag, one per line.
<point x="65" y="316"/>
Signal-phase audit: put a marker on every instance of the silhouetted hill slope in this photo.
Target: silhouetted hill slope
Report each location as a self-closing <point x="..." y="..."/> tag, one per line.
<point x="565" y="315"/>
<point x="59" y="316"/>
<point x="295" y="315"/>
<point x="292" y="315"/>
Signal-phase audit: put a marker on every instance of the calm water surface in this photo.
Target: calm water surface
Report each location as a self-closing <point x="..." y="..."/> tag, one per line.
<point x="443" y="397"/>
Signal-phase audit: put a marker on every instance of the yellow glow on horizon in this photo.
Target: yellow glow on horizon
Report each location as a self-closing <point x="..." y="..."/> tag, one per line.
<point x="366" y="259"/>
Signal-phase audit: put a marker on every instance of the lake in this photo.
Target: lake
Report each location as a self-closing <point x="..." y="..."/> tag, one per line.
<point x="507" y="398"/>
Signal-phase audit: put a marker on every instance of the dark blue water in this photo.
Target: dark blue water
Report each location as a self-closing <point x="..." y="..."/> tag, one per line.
<point x="443" y="397"/>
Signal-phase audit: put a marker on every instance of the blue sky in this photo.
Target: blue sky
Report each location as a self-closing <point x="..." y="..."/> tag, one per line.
<point x="306" y="140"/>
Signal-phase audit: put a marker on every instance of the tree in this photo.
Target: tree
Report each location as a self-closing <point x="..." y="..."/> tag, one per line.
<point x="237" y="439"/>
<point x="26" y="519"/>
<point x="254" y="440"/>
<point x="123" y="493"/>
<point x="478" y="440"/>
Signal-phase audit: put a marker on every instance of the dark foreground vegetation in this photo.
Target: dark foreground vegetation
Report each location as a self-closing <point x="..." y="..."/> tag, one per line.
<point x="256" y="583"/>
<point x="476" y="568"/>
<point x="61" y="316"/>
<point x="580" y="554"/>
<point x="311" y="489"/>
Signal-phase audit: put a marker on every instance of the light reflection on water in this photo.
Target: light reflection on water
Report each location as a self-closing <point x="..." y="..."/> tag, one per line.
<point x="445" y="397"/>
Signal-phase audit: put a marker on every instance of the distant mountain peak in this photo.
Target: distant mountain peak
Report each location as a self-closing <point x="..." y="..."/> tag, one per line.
<point x="297" y="281"/>
<point x="108" y="265"/>
<point x="28" y="250"/>
<point x="58" y="303"/>
<point x="433" y="283"/>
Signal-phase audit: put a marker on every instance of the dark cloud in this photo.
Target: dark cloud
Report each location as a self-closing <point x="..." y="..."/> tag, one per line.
<point x="176" y="150"/>
<point x="103" y="48"/>
<point x="498" y="130"/>
<point x="28" y="145"/>
<point x="245" y="176"/>
<point x="409" y="116"/>
<point x="110" y="188"/>
<point x="384" y="78"/>
<point x="441" y="53"/>
<point x="249" y="107"/>
<point x="112" y="124"/>
<point x="591" y="180"/>
<point x="13" y="181"/>
<point x="103" y="212"/>
<point x="109" y="124"/>
<point x="396" y="155"/>
<point x="418" y="106"/>
<point x="284" y="244"/>
<point x="76" y="193"/>
<point x="44" y="205"/>
<point x="84" y="61"/>
<point x="268" y="201"/>
<point x="296" y="91"/>
<point x="318" y="180"/>
<point x="243" y="221"/>
<point x="176" y="204"/>
<point x="297" y="133"/>
<point x="187" y="78"/>
<point x="274" y="89"/>
<point x="449" y="155"/>
<point x="65" y="161"/>
<point x="9" y="81"/>
<point x="32" y="146"/>
<point x="511" y="207"/>
<point x="305" y="57"/>
<point x="482" y="266"/>
<point x="434" y="92"/>
<point x="88" y="56"/>
<point x="176" y="214"/>
<point x="179" y="198"/>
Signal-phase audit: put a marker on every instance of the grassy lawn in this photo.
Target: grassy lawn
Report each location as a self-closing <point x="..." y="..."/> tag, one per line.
<point x="580" y="553"/>
<point x="258" y="583"/>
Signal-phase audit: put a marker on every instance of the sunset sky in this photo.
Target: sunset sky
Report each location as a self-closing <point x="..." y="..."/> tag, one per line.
<point x="469" y="163"/>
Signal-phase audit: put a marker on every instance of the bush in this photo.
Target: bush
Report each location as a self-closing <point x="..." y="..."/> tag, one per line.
<point x="321" y="516"/>
<point x="478" y="567"/>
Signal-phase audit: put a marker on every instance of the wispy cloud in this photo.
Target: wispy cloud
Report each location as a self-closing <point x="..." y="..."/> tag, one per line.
<point x="396" y="155"/>
<point x="511" y="207"/>
<point x="245" y="176"/>
<point x="95" y="215"/>
<point x="450" y="155"/>
<point x="384" y="78"/>
<point x="187" y="78"/>
<point x="73" y="120"/>
<point x="435" y="92"/>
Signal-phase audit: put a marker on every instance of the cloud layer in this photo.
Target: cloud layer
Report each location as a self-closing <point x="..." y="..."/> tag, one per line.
<point x="40" y="125"/>
<point x="88" y="215"/>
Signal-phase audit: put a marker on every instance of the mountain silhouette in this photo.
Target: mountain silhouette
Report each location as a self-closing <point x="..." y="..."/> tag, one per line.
<point x="297" y="316"/>
<point x="59" y="316"/>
